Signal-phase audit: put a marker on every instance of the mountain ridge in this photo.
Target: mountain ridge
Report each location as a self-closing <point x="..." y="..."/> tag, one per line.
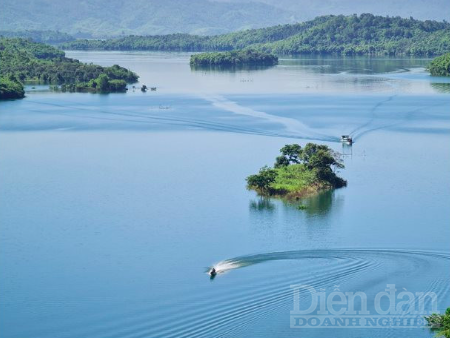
<point x="115" y="18"/>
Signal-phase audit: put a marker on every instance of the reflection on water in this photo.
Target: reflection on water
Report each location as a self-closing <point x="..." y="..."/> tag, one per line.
<point x="262" y="204"/>
<point x="319" y="204"/>
<point x="315" y="205"/>
<point x="229" y="68"/>
<point x="355" y="64"/>
<point x="441" y="87"/>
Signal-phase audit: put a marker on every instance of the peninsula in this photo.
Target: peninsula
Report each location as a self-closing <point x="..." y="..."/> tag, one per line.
<point x="23" y="61"/>
<point x="299" y="172"/>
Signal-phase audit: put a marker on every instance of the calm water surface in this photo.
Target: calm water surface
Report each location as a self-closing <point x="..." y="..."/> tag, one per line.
<point x="112" y="206"/>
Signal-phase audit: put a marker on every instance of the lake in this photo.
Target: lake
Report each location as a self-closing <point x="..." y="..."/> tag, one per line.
<point x="112" y="207"/>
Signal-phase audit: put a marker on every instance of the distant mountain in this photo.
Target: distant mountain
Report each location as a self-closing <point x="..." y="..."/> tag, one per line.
<point x="51" y="37"/>
<point x="365" y="34"/>
<point x="308" y="9"/>
<point x="103" y="18"/>
<point x="114" y="18"/>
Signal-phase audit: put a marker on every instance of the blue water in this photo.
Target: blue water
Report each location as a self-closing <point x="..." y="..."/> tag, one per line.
<point x="112" y="206"/>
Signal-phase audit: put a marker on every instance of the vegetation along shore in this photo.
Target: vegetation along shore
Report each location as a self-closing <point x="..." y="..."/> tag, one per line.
<point x="440" y="66"/>
<point x="299" y="172"/>
<point x="364" y="34"/>
<point x="24" y="60"/>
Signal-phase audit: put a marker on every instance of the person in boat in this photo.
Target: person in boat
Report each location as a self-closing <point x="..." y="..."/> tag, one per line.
<point x="213" y="272"/>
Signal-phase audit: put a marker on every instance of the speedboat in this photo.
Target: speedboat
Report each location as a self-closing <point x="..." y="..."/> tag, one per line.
<point x="347" y="139"/>
<point x="212" y="272"/>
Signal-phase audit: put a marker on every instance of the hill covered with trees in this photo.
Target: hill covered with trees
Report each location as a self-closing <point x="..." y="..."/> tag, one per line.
<point x="24" y="60"/>
<point x="365" y="34"/>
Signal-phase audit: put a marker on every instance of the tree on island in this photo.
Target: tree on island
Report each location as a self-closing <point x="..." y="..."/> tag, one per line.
<point x="440" y="323"/>
<point x="263" y="179"/>
<point x="299" y="171"/>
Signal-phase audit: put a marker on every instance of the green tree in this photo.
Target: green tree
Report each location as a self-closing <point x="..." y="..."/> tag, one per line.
<point x="281" y="161"/>
<point x="292" y="152"/>
<point x="261" y="181"/>
<point x="102" y="82"/>
<point x="440" y="323"/>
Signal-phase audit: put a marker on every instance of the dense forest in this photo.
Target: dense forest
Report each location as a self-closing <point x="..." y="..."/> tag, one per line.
<point x="246" y="57"/>
<point x="24" y="60"/>
<point x="440" y="66"/>
<point x="52" y="37"/>
<point x="365" y="34"/>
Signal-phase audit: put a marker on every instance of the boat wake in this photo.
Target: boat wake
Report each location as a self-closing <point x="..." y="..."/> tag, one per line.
<point x="293" y="128"/>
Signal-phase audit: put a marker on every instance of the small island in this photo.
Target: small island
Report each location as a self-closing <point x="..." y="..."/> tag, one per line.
<point x="25" y="61"/>
<point x="299" y="172"/>
<point x="246" y="57"/>
<point x="440" y="66"/>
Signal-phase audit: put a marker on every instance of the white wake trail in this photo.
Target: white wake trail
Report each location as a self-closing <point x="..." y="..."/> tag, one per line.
<point x="291" y="125"/>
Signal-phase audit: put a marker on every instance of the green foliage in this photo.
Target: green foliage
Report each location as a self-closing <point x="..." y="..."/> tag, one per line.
<point x="440" y="323"/>
<point x="10" y="89"/>
<point x="299" y="170"/>
<point x="52" y="37"/>
<point x="292" y="152"/>
<point x="365" y="34"/>
<point x="102" y="84"/>
<point x="293" y="178"/>
<point x="262" y="181"/>
<point x="234" y="58"/>
<point x="281" y="161"/>
<point x="25" y="60"/>
<point x="440" y="66"/>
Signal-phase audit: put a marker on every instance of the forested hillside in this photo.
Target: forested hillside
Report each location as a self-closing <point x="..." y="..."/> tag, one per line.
<point x="349" y="35"/>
